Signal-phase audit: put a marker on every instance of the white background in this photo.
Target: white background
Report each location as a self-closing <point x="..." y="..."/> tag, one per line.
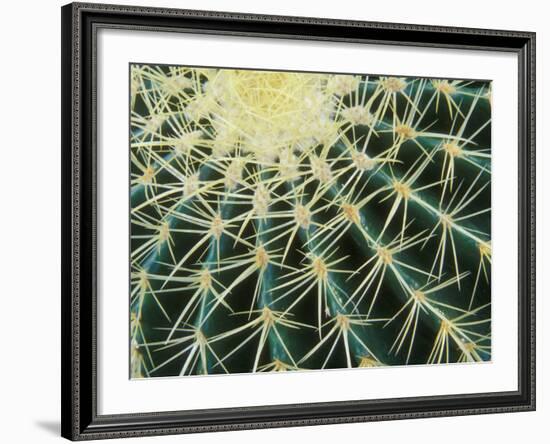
<point x="29" y="325"/>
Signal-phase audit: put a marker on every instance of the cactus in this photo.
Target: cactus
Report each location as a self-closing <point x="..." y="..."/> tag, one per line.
<point x="287" y="221"/>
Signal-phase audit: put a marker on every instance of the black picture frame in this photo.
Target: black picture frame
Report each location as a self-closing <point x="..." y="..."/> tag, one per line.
<point x="80" y="23"/>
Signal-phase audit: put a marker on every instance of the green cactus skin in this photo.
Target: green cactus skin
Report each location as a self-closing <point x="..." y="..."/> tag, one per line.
<point x="289" y="221"/>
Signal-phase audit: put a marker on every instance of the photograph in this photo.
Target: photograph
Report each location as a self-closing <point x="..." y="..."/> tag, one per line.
<point x="278" y="219"/>
<point x="286" y="221"/>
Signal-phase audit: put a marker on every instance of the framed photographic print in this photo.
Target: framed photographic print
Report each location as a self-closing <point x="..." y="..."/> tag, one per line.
<point x="278" y="221"/>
